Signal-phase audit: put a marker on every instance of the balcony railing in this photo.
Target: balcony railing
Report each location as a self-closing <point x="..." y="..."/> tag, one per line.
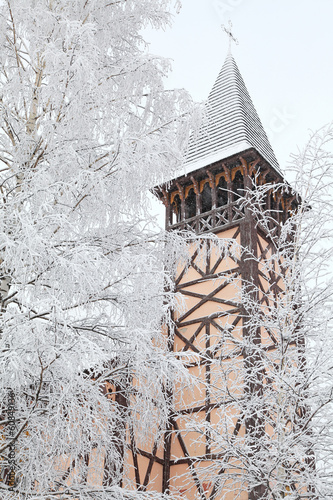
<point x="228" y="215"/>
<point x="212" y="220"/>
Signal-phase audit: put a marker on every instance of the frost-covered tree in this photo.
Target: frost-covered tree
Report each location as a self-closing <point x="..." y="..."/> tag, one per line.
<point x="273" y="378"/>
<point x="295" y="449"/>
<point x="86" y="129"/>
<point x="313" y="273"/>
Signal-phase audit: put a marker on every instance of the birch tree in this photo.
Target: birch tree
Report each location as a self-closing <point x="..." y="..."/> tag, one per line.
<point x="86" y="129"/>
<point x="282" y="395"/>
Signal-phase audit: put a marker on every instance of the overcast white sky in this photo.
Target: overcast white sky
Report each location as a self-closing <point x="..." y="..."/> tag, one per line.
<point x="285" y="55"/>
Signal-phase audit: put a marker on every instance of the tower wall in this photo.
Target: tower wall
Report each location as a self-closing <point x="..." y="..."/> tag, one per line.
<point x="215" y="424"/>
<point x="211" y="288"/>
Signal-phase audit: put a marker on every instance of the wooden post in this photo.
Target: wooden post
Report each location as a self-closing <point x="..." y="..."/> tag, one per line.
<point x="198" y="201"/>
<point x="252" y="363"/>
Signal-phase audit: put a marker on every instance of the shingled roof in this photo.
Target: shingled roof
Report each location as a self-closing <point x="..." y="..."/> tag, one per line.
<point x="232" y="124"/>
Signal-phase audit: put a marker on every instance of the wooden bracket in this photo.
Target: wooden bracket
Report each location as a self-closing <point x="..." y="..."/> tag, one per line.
<point x="227" y="172"/>
<point x="245" y="166"/>
<point x="181" y="191"/>
<point x="211" y="179"/>
<point x="195" y="185"/>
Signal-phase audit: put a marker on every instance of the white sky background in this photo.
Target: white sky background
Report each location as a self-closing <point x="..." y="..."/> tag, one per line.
<point x="285" y="55"/>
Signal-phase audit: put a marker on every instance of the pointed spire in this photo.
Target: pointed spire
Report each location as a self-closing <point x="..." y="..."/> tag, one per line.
<point x="232" y="124"/>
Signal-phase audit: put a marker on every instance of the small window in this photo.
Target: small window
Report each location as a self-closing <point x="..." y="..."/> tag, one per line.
<point x="190" y="204"/>
<point x="273" y="206"/>
<point x="222" y="192"/>
<point x="176" y="210"/>
<point x="206" y="198"/>
<point x="238" y="186"/>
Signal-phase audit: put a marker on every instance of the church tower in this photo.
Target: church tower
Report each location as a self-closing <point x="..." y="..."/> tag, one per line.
<point x="220" y="428"/>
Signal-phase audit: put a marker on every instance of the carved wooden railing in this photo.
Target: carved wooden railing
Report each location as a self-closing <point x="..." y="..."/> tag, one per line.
<point x="212" y="220"/>
<point x="225" y="216"/>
